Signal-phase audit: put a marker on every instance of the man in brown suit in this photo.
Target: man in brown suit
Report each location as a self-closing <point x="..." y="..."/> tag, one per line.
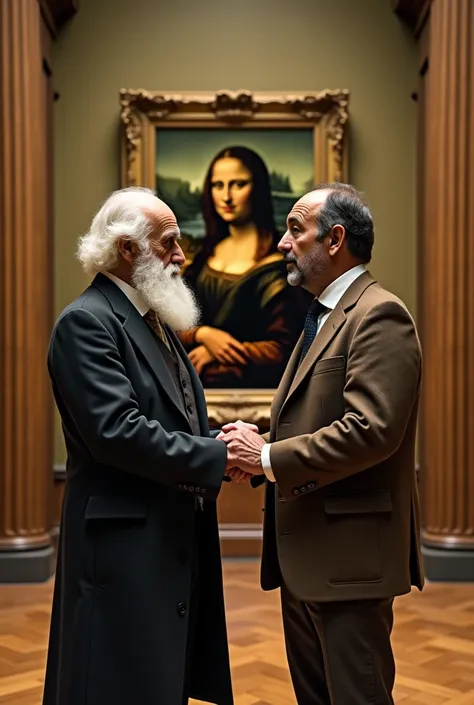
<point x="341" y="530"/>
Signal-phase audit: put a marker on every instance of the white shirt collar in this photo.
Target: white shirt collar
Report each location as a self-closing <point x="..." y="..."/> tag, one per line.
<point x="333" y="293"/>
<point x="131" y="293"/>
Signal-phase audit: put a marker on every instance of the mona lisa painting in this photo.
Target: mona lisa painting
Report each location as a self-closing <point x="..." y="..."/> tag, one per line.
<point x="227" y="196"/>
<point x="231" y="168"/>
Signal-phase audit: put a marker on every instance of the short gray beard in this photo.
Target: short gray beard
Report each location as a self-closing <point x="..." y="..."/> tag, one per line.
<point x="165" y="292"/>
<point x="305" y="269"/>
<point x="296" y="276"/>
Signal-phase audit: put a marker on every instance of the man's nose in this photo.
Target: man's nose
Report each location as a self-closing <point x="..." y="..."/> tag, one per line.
<point x="284" y="245"/>
<point x="178" y="256"/>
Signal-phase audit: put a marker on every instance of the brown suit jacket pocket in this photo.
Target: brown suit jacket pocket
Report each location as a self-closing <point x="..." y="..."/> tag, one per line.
<point x="363" y="503"/>
<point x="353" y="542"/>
<point x="329" y="364"/>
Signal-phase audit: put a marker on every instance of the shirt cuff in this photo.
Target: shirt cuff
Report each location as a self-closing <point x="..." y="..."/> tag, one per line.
<point x="266" y="464"/>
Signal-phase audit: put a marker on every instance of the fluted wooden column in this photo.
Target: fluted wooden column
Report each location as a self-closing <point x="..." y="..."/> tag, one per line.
<point x="25" y="300"/>
<point x="446" y="302"/>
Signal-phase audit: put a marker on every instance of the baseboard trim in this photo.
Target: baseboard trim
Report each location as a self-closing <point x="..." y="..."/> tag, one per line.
<point x="27" y="566"/>
<point x="448" y="565"/>
<point x="59" y="473"/>
<point x="241" y="531"/>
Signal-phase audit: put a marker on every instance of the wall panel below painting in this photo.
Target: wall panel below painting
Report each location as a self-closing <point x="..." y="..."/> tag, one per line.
<point x="240" y="520"/>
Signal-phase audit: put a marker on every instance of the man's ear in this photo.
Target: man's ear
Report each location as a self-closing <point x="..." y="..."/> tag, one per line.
<point x="126" y="249"/>
<point x="336" y="238"/>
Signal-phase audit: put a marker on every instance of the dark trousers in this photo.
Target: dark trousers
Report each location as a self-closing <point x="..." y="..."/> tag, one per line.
<point x="339" y="653"/>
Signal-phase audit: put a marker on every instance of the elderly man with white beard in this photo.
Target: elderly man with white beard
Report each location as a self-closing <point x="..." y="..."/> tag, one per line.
<point x="138" y="609"/>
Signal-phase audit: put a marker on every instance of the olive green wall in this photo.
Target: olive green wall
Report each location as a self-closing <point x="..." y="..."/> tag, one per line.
<point x="260" y="45"/>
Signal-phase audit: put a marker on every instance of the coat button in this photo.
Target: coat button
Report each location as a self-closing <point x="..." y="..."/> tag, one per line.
<point x="303" y="489"/>
<point x="181" y="608"/>
<point x="311" y="486"/>
<point x="296" y="491"/>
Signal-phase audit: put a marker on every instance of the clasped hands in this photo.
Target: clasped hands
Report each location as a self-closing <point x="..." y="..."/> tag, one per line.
<point x="244" y="448"/>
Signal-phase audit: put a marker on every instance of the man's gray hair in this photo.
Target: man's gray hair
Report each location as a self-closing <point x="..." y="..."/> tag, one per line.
<point x="123" y="214"/>
<point x="346" y="206"/>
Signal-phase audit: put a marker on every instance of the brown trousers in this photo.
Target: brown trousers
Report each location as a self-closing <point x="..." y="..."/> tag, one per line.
<point x="339" y="653"/>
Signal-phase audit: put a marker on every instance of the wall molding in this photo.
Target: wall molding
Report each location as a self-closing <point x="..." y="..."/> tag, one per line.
<point x="57" y="12"/>
<point x="413" y="12"/>
<point x="234" y="532"/>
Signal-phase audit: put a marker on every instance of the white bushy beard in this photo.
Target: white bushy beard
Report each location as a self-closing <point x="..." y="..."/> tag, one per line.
<point x="165" y="292"/>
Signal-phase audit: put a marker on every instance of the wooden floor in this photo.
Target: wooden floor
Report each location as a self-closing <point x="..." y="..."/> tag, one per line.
<point x="433" y="641"/>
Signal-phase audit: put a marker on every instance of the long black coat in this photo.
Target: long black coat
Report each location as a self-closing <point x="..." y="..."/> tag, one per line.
<point x="120" y="607"/>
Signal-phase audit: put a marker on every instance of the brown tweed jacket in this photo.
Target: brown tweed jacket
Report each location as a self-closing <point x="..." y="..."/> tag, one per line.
<point x="342" y="522"/>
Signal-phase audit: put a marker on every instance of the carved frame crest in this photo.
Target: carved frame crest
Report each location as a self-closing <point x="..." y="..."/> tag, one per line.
<point x="325" y="112"/>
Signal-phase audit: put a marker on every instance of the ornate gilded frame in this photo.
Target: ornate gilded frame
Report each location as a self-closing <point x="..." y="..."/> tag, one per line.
<point x="326" y="112"/>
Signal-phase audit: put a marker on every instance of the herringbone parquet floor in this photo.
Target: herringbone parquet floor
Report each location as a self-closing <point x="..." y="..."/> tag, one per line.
<point x="433" y="641"/>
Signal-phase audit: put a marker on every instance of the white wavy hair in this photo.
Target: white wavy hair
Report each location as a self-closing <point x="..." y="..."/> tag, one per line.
<point x="121" y="215"/>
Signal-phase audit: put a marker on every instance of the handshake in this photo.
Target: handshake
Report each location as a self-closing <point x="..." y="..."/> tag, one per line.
<point x="244" y="450"/>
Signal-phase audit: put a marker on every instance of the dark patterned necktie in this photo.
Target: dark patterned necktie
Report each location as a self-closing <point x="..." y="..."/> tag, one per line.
<point x="311" y="326"/>
<point x="154" y="322"/>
